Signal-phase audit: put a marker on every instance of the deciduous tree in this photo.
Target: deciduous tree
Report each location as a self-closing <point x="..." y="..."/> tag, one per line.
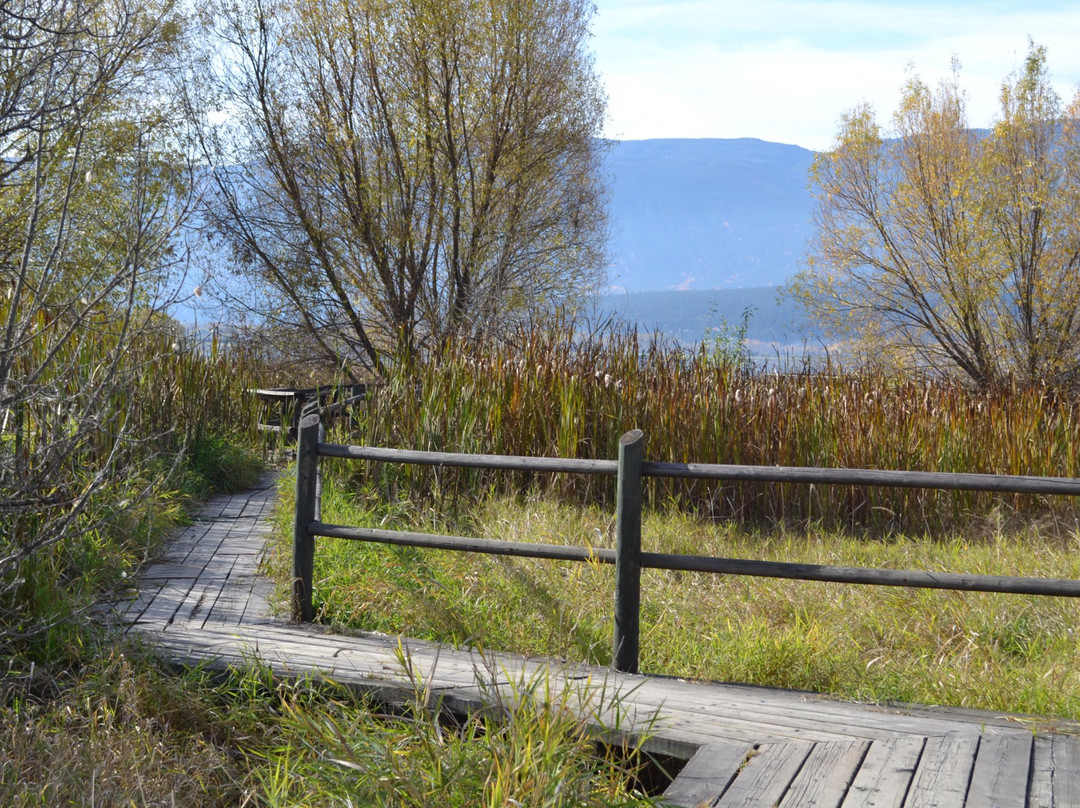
<point x="401" y="172"/>
<point x="952" y="249"/>
<point x="91" y="191"/>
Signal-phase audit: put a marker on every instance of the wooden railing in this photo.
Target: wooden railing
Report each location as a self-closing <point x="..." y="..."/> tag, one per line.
<point x="281" y="408"/>
<point x="627" y="557"/>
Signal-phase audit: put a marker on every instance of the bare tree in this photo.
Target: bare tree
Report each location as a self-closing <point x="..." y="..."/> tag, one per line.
<point x="91" y="191"/>
<point x="403" y="172"/>
<point x="952" y="249"/>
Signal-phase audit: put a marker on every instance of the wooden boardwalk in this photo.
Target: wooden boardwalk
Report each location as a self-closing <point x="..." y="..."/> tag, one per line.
<point x="204" y="602"/>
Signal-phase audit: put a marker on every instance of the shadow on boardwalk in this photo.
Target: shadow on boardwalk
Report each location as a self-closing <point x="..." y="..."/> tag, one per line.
<point x="205" y="602"/>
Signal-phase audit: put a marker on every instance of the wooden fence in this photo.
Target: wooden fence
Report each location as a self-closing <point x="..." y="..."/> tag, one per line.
<point x="627" y="557"/>
<point x="281" y="408"/>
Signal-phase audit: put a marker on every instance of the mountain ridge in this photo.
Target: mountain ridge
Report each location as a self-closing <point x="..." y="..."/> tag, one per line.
<point x="706" y="213"/>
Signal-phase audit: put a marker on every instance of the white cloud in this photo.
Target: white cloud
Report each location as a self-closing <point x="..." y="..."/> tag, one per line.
<point x="785" y="71"/>
<point x="687" y="282"/>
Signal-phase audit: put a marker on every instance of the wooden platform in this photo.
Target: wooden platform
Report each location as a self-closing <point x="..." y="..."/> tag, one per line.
<point x="204" y="601"/>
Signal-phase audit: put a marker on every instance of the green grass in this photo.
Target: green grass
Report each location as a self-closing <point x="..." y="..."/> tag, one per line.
<point x="85" y="720"/>
<point x="530" y="748"/>
<point x="124" y="730"/>
<point x="114" y="732"/>
<point x="215" y="464"/>
<point x="998" y="652"/>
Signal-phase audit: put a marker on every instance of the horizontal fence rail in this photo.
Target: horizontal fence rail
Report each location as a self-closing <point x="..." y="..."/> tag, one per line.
<point x="945" y="481"/>
<point x="627" y="556"/>
<point x="518" y="549"/>
<point x="1064" y="587"/>
<point x="941" y="480"/>
<point x="470" y="461"/>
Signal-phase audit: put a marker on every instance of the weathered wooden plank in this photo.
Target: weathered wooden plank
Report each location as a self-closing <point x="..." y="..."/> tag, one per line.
<point x="826" y="775"/>
<point x="257" y="607"/>
<point x="818" y="725"/>
<point x="257" y="508"/>
<point x="1000" y="776"/>
<point x="886" y="773"/>
<point x="228" y="607"/>
<point x="708" y="723"/>
<point x="989" y="720"/>
<point x="362" y="660"/>
<point x="707" y="774"/>
<point x="913" y="718"/>
<point x="766" y="776"/>
<point x="129" y="611"/>
<point x="796" y="725"/>
<point x="244" y="545"/>
<point x="379" y="657"/>
<point x="211" y="510"/>
<point x="171" y="572"/>
<point x="195" y="605"/>
<point x="944" y="772"/>
<point x="167" y="601"/>
<point x="354" y="658"/>
<point x="1055" y="772"/>
<point x="1042" y="772"/>
<point x="795" y="709"/>
<point x="1067" y="771"/>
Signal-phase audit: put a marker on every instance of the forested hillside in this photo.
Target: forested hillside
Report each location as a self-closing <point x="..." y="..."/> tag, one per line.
<point x="704" y="214"/>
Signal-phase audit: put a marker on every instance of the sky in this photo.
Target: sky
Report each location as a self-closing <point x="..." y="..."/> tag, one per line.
<point x="786" y="70"/>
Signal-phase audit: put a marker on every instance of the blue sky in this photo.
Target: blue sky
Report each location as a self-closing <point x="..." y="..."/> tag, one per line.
<point x="785" y="70"/>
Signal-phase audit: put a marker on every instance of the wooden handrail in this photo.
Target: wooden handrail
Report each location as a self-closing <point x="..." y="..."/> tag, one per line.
<point x="287" y="405"/>
<point x="627" y="557"/>
<point x="470" y="461"/>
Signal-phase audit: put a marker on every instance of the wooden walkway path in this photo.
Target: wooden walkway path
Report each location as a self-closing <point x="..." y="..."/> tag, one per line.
<point x="204" y="601"/>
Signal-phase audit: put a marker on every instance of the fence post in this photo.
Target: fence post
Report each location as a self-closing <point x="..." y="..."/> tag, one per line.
<point x="628" y="552"/>
<point x="296" y="413"/>
<point x="307" y="485"/>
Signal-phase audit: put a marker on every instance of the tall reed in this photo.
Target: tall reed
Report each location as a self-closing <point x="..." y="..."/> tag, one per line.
<point x="99" y="420"/>
<point x="571" y="393"/>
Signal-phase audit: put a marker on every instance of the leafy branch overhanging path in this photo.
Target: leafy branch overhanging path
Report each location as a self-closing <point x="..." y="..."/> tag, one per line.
<point x="204" y="602"/>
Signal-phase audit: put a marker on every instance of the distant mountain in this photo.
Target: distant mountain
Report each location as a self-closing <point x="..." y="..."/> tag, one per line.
<point x="719" y="218"/>
<point x="705" y="214"/>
